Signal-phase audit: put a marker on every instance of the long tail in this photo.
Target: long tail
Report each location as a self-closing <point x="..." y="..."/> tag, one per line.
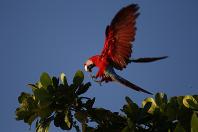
<point x="147" y="59"/>
<point x="125" y="82"/>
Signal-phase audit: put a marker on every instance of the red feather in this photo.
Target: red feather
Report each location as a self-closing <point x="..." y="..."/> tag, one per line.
<point x="118" y="48"/>
<point x="119" y="35"/>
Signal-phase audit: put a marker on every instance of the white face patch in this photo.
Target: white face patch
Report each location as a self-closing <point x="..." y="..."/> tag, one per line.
<point x="86" y="68"/>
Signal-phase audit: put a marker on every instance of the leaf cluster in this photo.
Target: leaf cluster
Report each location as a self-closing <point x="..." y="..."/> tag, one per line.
<point x="158" y="114"/>
<point x="55" y="101"/>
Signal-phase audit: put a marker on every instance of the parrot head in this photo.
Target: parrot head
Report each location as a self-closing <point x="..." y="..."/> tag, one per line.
<point x="89" y="65"/>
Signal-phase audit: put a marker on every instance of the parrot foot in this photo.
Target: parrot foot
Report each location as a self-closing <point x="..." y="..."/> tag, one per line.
<point x="98" y="81"/>
<point x="94" y="78"/>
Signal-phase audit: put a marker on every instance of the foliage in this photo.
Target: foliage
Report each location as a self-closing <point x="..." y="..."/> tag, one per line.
<point x="63" y="104"/>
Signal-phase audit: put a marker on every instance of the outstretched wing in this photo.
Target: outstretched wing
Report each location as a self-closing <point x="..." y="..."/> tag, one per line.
<point x="119" y="37"/>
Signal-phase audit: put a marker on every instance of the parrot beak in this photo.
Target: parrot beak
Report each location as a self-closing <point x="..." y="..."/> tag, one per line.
<point x="88" y="68"/>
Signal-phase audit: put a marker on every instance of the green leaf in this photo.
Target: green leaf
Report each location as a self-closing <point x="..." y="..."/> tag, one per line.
<point x="44" y="112"/>
<point x="38" y="85"/>
<point x="131" y="109"/>
<point x="180" y="100"/>
<point x="32" y="118"/>
<point x="147" y="106"/>
<point x="51" y="90"/>
<point x="172" y="108"/>
<point x="83" y="88"/>
<point x="63" y="120"/>
<point x="195" y="96"/>
<point x="161" y="98"/>
<point x="57" y="119"/>
<point x="131" y="125"/>
<point x="43" y="127"/>
<point x="194" y="122"/>
<point x="179" y="128"/>
<point x="190" y="102"/>
<point x="45" y="80"/>
<point x="63" y="79"/>
<point x="133" y="106"/>
<point x="153" y="106"/>
<point x="68" y="119"/>
<point x="21" y="113"/>
<point x="43" y="96"/>
<point x="26" y="110"/>
<point x="128" y="100"/>
<point x="78" y="78"/>
<point x="89" y="103"/>
<point x="23" y="96"/>
<point x="55" y="82"/>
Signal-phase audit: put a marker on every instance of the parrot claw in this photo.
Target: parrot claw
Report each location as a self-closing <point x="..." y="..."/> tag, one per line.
<point x="98" y="81"/>
<point x="94" y="78"/>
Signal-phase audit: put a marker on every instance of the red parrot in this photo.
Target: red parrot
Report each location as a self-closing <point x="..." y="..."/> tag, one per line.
<point x="118" y="48"/>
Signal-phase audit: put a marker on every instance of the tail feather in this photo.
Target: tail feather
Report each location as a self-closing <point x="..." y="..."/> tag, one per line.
<point x="148" y="59"/>
<point x="129" y="84"/>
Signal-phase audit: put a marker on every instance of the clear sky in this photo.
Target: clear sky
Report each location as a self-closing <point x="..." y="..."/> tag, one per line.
<point x="58" y="36"/>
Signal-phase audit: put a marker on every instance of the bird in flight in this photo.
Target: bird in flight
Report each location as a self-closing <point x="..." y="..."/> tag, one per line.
<point x="117" y="50"/>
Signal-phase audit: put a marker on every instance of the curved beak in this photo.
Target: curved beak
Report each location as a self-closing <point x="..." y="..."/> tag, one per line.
<point x="89" y="67"/>
<point x="86" y="69"/>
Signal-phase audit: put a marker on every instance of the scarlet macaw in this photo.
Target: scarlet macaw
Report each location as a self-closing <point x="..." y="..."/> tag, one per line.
<point x="118" y="48"/>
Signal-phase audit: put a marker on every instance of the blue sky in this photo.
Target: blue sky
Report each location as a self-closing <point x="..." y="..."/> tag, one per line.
<point x="59" y="36"/>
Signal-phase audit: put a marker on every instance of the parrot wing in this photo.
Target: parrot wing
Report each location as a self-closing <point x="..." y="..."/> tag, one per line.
<point x="119" y="35"/>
